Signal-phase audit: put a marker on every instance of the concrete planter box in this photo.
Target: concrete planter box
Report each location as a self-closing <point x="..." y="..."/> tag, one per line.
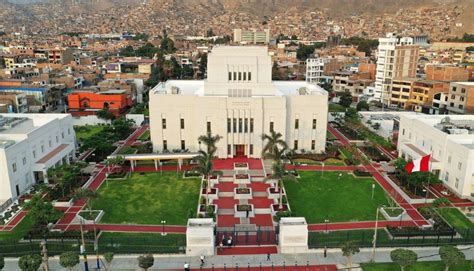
<point x="90" y="221"/>
<point x="213" y="194"/>
<point x="242" y="193"/>
<point x="242" y="178"/>
<point x="241" y="166"/>
<point x="402" y="216"/>
<point x="213" y="180"/>
<point x="204" y="212"/>
<point x="238" y="212"/>
<point x="63" y="204"/>
<point x="276" y="206"/>
<point x="272" y="194"/>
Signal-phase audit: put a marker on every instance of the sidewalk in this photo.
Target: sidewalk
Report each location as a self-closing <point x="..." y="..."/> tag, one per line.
<point x="316" y="257"/>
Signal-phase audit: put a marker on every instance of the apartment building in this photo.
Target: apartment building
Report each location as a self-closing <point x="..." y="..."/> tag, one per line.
<point x="239" y="102"/>
<point x="13" y="102"/>
<point x="449" y="139"/>
<point x="423" y="92"/>
<point x="461" y="98"/>
<point x="315" y="70"/>
<point x="354" y="83"/>
<point x="252" y="36"/>
<point x="401" y="89"/>
<point x="446" y="73"/>
<point x="29" y="145"/>
<point x="396" y="58"/>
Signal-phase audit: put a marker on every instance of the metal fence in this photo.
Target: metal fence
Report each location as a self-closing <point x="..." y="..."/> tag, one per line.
<point x="115" y="245"/>
<point x="364" y="238"/>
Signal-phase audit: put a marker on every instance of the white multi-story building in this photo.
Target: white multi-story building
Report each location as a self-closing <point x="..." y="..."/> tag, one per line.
<point x="315" y="70"/>
<point x="239" y="102"/>
<point x="396" y="58"/>
<point x="29" y="145"/>
<point x="450" y="140"/>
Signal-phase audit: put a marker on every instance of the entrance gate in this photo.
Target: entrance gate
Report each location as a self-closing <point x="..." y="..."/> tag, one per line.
<point x="247" y="237"/>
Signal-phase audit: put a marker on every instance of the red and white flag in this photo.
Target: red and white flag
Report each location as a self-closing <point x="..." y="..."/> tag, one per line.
<point x="420" y="164"/>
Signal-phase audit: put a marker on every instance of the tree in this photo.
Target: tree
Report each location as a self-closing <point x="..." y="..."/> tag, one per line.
<point x="210" y="141"/>
<point x="105" y="114"/>
<point x="403" y="257"/>
<point x="2" y="262"/>
<point x="109" y="257"/>
<point x="42" y="212"/>
<point x="351" y="114"/>
<point x="204" y="167"/>
<point x="146" y="261"/>
<point x="451" y="256"/>
<point x="69" y="260"/>
<point x="210" y="33"/>
<point x="29" y="262"/>
<point x="441" y="201"/>
<point x="345" y="99"/>
<point x="203" y="65"/>
<point x="362" y="105"/>
<point x="118" y="160"/>
<point x="470" y="49"/>
<point x="88" y="195"/>
<point x="348" y="249"/>
<point x="273" y="146"/>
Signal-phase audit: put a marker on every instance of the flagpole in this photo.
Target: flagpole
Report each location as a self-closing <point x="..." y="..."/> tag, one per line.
<point x="429" y="177"/>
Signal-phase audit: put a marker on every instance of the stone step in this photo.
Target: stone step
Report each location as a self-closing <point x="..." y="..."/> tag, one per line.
<point x="226" y="194"/>
<point x="245" y="227"/>
<point x="259" y="194"/>
<point x="244" y="220"/>
<point x="225" y="211"/>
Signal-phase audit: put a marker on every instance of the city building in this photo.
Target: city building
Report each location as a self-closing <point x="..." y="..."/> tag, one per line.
<point x="461" y="98"/>
<point x="354" y="83"/>
<point x="401" y="89"/>
<point x="13" y="102"/>
<point x="449" y="139"/>
<point x="422" y="94"/>
<point x="396" y="58"/>
<point x="252" y="36"/>
<point x="446" y="73"/>
<point x="239" y="102"/>
<point x="29" y="145"/>
<point x="315" y="70"/>
<point x="88" y="102"/>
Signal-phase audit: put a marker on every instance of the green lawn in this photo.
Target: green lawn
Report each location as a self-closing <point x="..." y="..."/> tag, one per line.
<point x="327" y="162"/>
<point x="19" y="231"/>
<point x="342" y="199"/>
<point x="83" y="132"/>
<point x="157" y="238"/>
<point x="455" y="218"/>
<point x="145" y="136"/>
<point x="148" y="199"/>
<point x="128" y="150"/>
<point x="419" y="266"/>
<point x="336" y="108"/>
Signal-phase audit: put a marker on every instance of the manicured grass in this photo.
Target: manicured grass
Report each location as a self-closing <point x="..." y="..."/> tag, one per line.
<point x="341" y="199"/>
<point x="148" y="199"/>
<point x="336" y="108"/>
<point x="128" y="150"/>
<point x="145" y="136"/>
<point x="157" y="238"/>
<point x="142" y="243"/>
<point x="419" y="266"/>
<point x="19" y="231"/>
<point x="335" y="238"/>
<point x="330" y="136"/>
<point x="455" y="218"/>
<point x="84" y="132"/>
<point x="327" y="162"/>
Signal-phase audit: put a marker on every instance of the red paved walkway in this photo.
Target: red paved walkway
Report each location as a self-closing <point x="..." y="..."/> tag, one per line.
<point x="289" y="267"/>
<point x="221" y="164"/>
<point x="358" y="225"/>
<point x="250" y="250"/>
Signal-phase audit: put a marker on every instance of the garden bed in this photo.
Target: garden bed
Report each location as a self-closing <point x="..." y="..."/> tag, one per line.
<point x="350" y="133"/>
<point x="242" y="178"/>
<point x="191" y="174"/>
<point x="241" y="166"/>
<point x="241" y="210"/>
<point x="374" y="154"/>
<point x="242" y="193"/>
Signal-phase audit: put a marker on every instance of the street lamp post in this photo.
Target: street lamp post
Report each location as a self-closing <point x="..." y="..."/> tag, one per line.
<point x="163" y="222"/>
<point x="375" y="233"/>
<point x="322" y="171"/>
<point x="326" y="221"/>
<point x="373" y="189"/>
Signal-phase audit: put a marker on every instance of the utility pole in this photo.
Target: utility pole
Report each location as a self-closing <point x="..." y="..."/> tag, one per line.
<point x="44" y="251"/>
<point x="375" y="235"/>
<point x="83" y="249"/>
<point x="96" y="246"/>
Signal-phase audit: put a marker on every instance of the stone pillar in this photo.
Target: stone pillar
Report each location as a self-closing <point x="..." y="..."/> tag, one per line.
<point x="293" y="235"/>
<point x="200" y="239"/>
<point x="156" y="164"/>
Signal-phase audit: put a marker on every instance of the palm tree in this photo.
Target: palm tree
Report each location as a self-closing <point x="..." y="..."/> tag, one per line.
<point x="210" y="141"/>
<point x="204" y="167"/>
<point x="280" y="175"/>
<point x="115" y="161"/>
<point x="275" y="145"/>
<point x="348" y="249"/>
<point x="88" y="195"/>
